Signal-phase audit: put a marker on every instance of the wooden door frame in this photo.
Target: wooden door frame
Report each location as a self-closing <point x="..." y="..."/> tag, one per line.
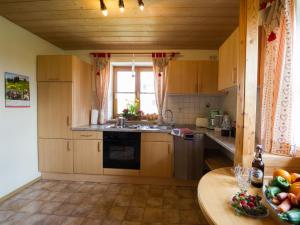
<point x="247" y="82"/>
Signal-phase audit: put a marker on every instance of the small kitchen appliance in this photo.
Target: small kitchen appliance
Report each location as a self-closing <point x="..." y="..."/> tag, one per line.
<point x="202" y="122"/>
<point x="212" y="118"/>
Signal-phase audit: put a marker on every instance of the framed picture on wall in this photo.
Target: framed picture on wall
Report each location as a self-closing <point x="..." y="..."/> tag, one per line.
<point x="17" y="93"/>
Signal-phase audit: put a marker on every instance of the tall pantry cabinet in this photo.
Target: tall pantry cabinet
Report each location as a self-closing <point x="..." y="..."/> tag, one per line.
<point x="64" y="100"/>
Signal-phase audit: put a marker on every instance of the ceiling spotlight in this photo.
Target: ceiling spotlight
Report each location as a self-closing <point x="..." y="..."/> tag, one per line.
<point x="103" y="8"/>
<point x="121" y="6"/>
<point x="141" y="4"/>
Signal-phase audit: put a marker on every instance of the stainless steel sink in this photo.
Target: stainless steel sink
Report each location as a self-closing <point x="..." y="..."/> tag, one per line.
<point x="141" y="127"/>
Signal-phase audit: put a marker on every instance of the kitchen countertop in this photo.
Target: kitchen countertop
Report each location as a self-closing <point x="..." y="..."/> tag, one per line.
<point x="226" y="142"/>
<point x="126" y="129"/>
<point x="214" y="192"/>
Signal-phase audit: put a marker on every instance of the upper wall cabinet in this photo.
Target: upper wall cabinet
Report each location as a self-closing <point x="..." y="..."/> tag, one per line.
<point x="183" y="77"/>
<point x="55" y="67"/>
<point x="228" y="61"/>
<point x="192" y="77"/>
<point x="208" y="77"/>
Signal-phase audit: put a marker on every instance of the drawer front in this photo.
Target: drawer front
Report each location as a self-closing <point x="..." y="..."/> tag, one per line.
<point x="162" y="137"/>
<point x="93" y="135"/>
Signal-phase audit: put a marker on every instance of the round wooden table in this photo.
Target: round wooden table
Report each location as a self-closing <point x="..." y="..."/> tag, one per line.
<point x="215" y="190"/>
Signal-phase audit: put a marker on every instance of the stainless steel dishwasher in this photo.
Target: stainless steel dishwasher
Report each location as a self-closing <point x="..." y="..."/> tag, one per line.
<point x="189" y="157"/>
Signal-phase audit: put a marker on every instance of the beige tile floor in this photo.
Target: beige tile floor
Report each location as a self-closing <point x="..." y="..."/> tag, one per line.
<point x="87" y="203"/>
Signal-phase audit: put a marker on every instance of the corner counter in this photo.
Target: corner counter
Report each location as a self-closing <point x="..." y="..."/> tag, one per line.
<point x="214" y="192"/>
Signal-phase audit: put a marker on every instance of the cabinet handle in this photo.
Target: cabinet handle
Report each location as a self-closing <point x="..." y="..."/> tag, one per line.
<point x="68" y="121"/>
<point x="234" y="73"/>
<point x="53" y="79"/>
<point x="85" y="135"/>
<point x="98" y="146"/>
<point x="169" y="150"/>
<point x="68" y="146"/>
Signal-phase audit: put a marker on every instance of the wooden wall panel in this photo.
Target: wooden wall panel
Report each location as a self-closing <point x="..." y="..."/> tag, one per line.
<point x="168" y="24"/>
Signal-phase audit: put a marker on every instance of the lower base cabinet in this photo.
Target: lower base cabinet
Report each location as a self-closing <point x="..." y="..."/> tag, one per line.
<point x="56" y="155"/>
<point x="156" y="159"/>
<point x="88" y="156"/>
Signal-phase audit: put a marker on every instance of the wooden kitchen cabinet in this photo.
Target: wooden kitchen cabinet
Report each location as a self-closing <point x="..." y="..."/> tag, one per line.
<point x="54" y="68"/>
<point x="88" y="156"/>
<point x="56" y="155"/>
<point x="62" y="105"/>
<point x="156" y="159"/>
<point x="208" y="77"/>
<point x="54" y="109"/>
<point x="156" y="155"/>
<point x="228" y="61"/>
<point x="193" y="77"/>
<point x="183" y="77"/>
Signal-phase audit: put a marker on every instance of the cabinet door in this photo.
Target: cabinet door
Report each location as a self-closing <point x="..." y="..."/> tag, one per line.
<point x="208" y="77"/>
<point x="156" y="159"/>
<point x="56" y="155"/>
<point x="54" y="68"/>
<point x="54" y="109"/>
<point x="183" y="77"/>
<point x="88" y="157"/>
<point x="228" y="61"/>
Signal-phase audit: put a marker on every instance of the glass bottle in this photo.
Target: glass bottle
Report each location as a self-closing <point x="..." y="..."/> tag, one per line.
<point x="258" y="168"/>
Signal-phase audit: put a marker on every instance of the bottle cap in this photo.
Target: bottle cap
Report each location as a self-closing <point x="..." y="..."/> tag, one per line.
<point x="259" y="149"/>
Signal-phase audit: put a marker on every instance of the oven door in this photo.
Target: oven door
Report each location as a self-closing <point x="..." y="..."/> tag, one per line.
<point x="121" y="150"/>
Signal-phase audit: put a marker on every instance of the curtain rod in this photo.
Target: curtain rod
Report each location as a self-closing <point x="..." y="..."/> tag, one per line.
<point x="136" y="53"/>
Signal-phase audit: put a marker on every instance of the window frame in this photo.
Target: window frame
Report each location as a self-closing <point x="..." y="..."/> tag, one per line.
<point x="138" y="70"/>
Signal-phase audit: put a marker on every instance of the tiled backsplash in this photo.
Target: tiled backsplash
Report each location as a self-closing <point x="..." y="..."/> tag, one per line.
<point x="187" y="108"/>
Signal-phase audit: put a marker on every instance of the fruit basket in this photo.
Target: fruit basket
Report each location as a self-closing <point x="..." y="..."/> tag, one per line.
<point x="283" y="196"/>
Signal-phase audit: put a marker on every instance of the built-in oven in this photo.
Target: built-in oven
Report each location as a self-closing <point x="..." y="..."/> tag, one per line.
<point x="121" y="150"/>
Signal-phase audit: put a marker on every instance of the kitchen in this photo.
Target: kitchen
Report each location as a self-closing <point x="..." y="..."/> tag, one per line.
<point x="124" y="121"/>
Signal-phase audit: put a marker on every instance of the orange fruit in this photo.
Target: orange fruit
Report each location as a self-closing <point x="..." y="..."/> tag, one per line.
<point x="283" y="173"/>
<point x="295" y="177"/>
<point x="295" y="189"/>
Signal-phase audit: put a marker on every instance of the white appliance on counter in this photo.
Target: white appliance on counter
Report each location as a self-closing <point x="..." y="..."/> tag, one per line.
<point x="202" y="122"/>
<point x="94" y="116"/>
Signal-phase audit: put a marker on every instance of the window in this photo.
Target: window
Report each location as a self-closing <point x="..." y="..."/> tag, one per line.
<point x="129" y="86"/>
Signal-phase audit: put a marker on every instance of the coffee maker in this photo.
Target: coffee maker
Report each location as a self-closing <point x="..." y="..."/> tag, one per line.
<point x="212" y="118"/>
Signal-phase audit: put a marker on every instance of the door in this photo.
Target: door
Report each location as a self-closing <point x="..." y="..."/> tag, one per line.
<point x="208" y="77"/>
<point x="54" y="109"/>
<point x="54" y="68"/>
<point x="183" y="77"/>
<point x="56" y="155"/>
<point x="156" y="159"/>
<point x="88" y="156"/>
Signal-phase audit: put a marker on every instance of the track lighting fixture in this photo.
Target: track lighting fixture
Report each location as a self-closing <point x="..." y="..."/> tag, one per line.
<point x="121" y="6"/>
<point x="141" y="4"/>
<point x="103" y="8"/>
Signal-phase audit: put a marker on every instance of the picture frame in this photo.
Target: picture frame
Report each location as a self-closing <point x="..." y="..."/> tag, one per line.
<point x="17" y="90"/>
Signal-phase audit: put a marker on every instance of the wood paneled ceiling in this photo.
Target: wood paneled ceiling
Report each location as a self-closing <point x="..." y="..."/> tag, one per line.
<point x="164" y="24"/>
